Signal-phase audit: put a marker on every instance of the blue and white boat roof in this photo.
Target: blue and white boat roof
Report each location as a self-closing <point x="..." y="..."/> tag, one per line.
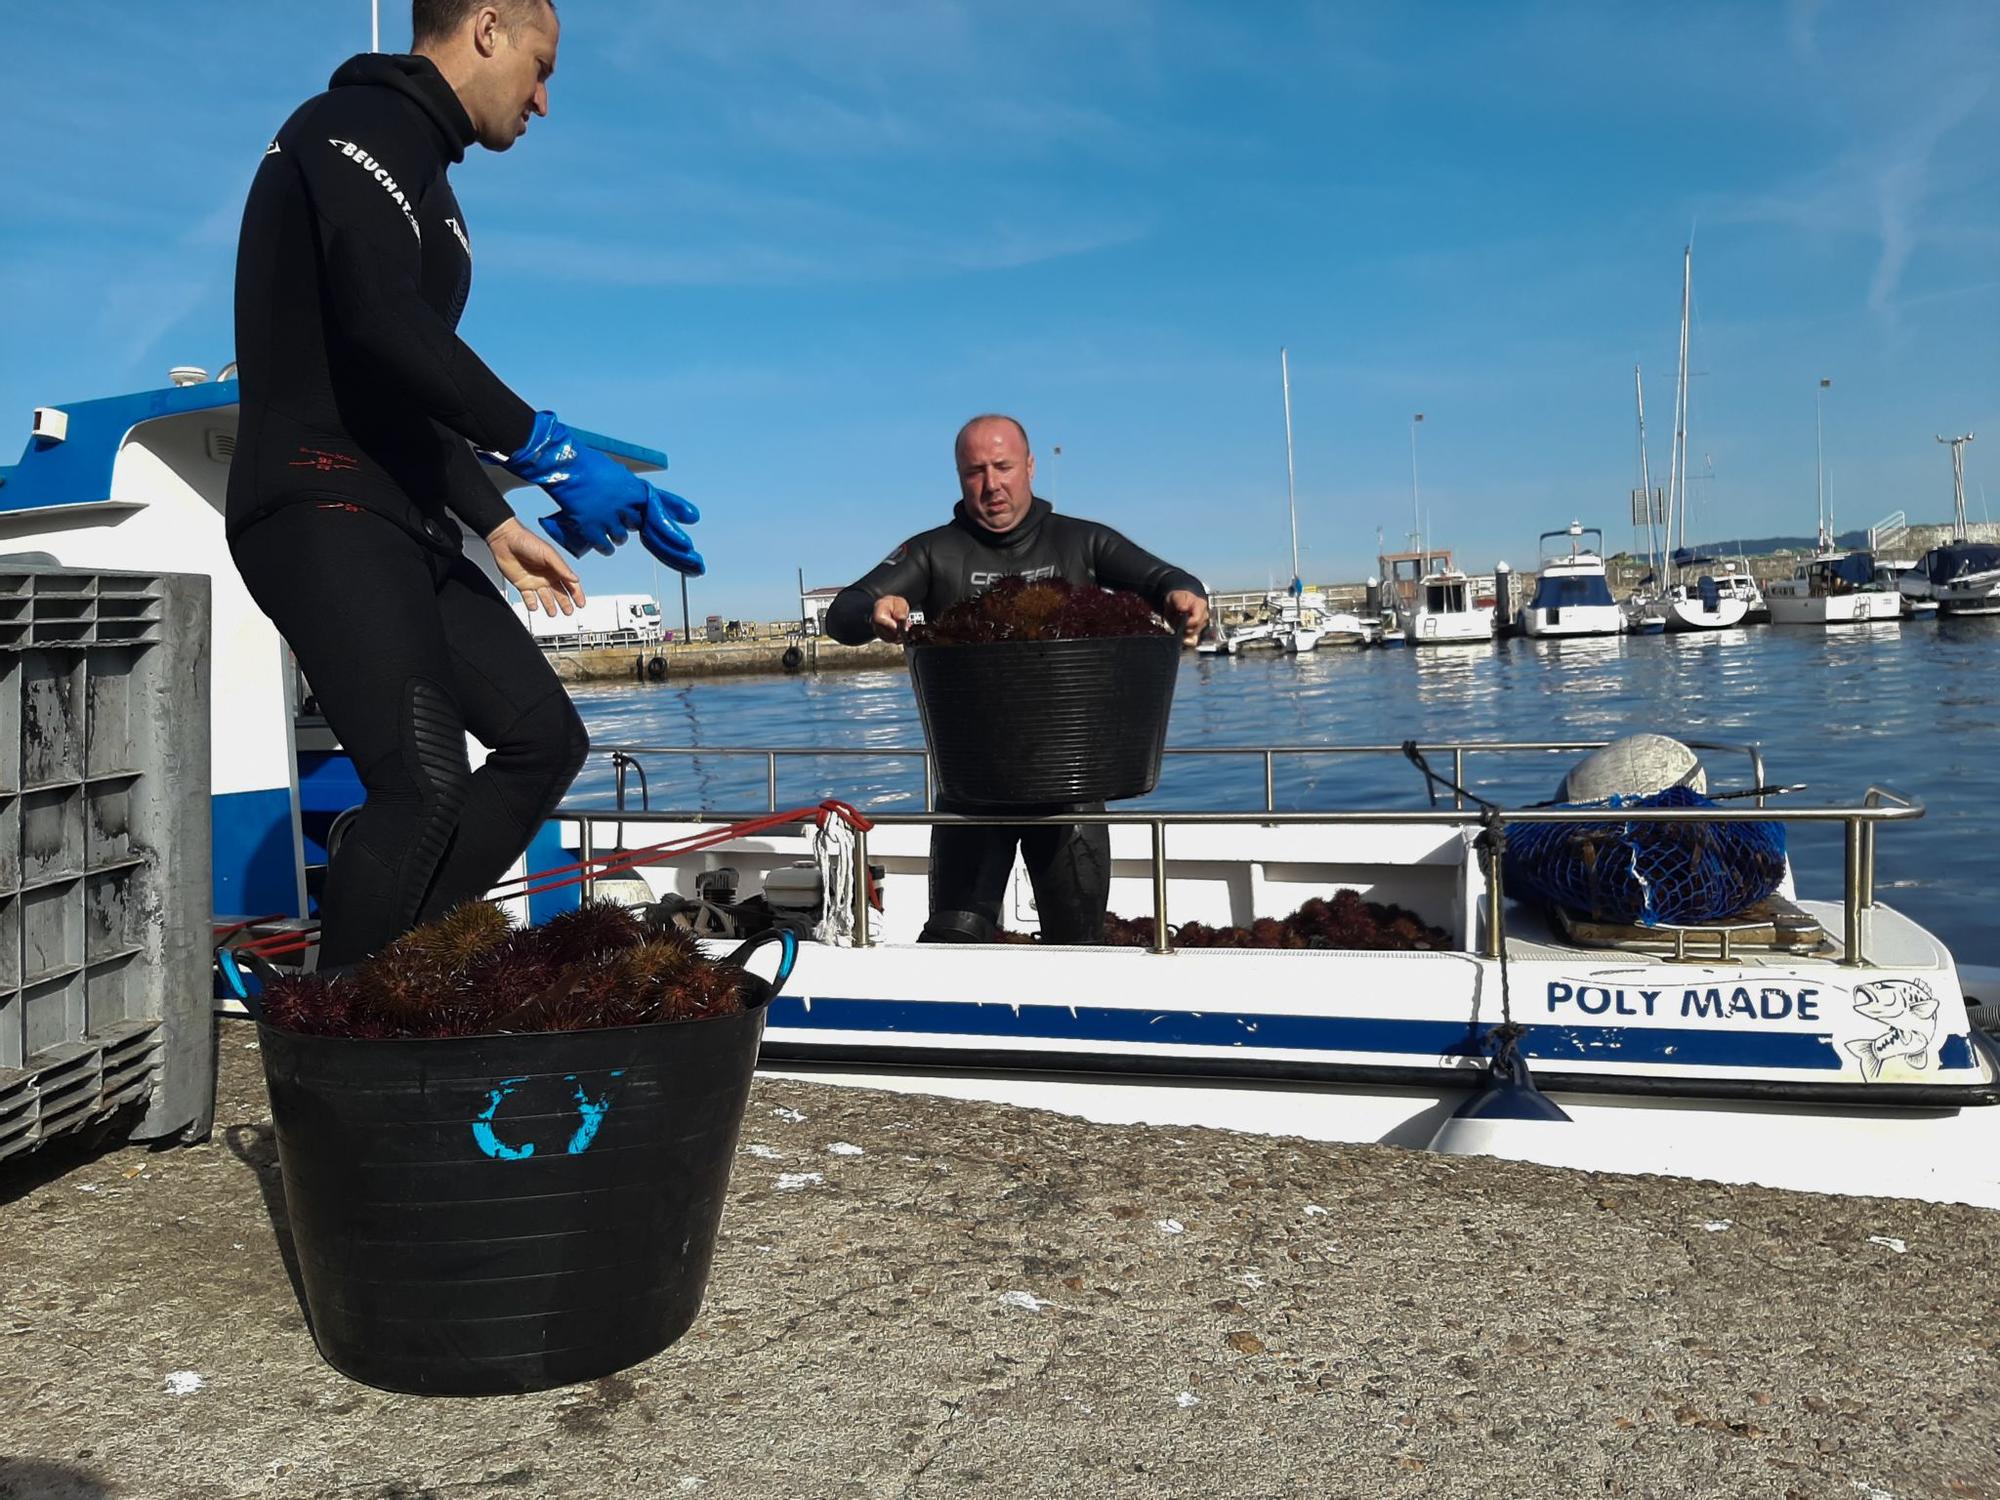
<point x="75" y="468"/>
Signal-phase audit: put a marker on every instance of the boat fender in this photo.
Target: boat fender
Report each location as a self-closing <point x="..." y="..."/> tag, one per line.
<point x="656" y="669"/>
<point x="1638" y="765"/>
<point x="1507" y="1116"/>
<point x="793" y="659"/>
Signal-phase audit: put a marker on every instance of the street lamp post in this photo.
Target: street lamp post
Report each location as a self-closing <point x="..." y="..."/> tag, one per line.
<point x="1416" y="507"/>
<point x="1819" y="468"/>
<point x="1957" y="446"/>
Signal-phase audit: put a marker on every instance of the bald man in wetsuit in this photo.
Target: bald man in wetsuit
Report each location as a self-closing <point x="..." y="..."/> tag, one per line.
<point x="354" y="467"/>
<point x="1000" y="528"/>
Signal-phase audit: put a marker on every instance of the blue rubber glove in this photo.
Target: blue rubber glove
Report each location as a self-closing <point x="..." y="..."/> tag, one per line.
<point x="602" y="502"/>
<point x="660" y="536"/>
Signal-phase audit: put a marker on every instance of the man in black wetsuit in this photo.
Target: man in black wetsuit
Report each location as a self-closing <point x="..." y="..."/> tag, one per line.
<point x="360" y="408"/>
<point x="1000" y="528"/>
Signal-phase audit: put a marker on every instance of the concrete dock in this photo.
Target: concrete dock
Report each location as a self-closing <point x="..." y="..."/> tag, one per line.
<point x="685" y="662"/>
<point x="923" y="1298"/>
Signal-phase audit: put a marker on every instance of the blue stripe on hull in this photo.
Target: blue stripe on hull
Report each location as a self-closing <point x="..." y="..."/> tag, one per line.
<point x="1059" y="1024"/>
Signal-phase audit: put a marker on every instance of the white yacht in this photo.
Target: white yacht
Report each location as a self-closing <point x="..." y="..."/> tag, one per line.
<point x="1442" y="609"/>
<point x="1572" y="596"/>
<point x="1833" y="588"/>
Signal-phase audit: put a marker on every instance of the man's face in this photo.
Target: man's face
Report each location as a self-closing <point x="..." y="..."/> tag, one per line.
<point x="996" y="475"/>
<point x="515" y="77"/>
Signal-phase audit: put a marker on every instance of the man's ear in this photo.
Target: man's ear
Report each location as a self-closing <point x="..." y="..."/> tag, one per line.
<point x="486" y="30"/>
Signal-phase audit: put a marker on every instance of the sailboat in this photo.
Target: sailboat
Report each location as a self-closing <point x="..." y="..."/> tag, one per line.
<point x="1832" y="587"/>
<point x="1694" y="600"/>
<point x="1644" y="613"/>
<point x="1296" y="619"/>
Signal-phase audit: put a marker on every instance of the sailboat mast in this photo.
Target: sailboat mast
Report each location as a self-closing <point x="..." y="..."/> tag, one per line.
<point x="1646" y="485"/>
<point x="1679" y="472"/>
<point x="1291" y="476"/>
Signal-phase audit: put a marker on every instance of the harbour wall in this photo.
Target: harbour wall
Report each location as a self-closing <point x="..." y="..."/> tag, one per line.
<point x="674" y="662"/>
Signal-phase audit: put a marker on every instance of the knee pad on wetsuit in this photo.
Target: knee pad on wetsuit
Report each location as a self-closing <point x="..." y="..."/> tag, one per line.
<point x="434" y="740"/>
<point x="956" y="927"/>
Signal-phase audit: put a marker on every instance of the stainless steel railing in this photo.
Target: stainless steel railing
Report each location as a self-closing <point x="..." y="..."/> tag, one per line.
<point x="1880" y="804"/>
<point x="1268" y="754"/>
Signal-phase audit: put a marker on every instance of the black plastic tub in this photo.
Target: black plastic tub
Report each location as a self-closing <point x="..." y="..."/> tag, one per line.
<point x="1017" y="723"/>
<point x="495" y="1214"/>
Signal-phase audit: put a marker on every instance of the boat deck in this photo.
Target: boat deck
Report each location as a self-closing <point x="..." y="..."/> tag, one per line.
<point x="1892" y="941"/>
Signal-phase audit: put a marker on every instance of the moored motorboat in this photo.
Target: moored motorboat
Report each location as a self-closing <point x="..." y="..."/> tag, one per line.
<point x="1572" y="595"/>
<point x="1441" y="610"/>
<point x="1833" y="588"/>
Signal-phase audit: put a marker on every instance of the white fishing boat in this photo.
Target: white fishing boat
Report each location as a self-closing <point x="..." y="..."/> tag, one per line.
<point x="1572" y="594"/>
<point x="1442" y="610"/>
<point x="1827" y="1048"/>
<point x="1824" y="1045"/>
<point x="1833" y="588"/>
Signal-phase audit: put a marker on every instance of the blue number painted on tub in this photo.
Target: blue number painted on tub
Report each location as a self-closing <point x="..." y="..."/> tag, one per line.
<point x="590" y="1115"/>
<point x="482" y="1128"/>
<point x="591" y="1112"/>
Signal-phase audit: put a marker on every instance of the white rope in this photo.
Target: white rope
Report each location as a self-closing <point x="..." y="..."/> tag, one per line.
<point x="833" y="852"/>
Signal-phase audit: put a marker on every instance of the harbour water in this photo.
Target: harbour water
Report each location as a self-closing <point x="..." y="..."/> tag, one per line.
<point x="1908" y="705"/>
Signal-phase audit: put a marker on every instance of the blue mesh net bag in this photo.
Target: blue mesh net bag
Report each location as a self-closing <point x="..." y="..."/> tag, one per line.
<point x="1648" y="873"/>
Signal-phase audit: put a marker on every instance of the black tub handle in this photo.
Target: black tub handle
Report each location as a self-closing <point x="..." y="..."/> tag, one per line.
<point x="741" y="956"/>
<point x="237" y="968"/>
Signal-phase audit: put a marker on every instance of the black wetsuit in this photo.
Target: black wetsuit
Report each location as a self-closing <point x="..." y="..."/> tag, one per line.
<point x="1069" y="865"/>
<point x="359" y="402"/>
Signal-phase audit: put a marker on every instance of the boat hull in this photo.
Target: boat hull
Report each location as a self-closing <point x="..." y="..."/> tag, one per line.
<point x="1692" y="614"/>
<point x="1859" y="607"/>
<point x="1570" y="620"/>
<point x="1427" y="629"/>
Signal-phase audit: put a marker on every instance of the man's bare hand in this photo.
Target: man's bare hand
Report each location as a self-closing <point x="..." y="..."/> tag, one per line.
<point x="539" y="571"/>
<point x="892" y="617"/>
<point x="1190" y="611"/>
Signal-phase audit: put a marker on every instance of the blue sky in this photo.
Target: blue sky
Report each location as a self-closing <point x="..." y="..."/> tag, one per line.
<point x="795" y="242"/>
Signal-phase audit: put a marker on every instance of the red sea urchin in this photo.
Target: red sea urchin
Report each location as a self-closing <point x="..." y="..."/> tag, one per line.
<point x="473" y="975"/>
<point x="1344" y="920"/>
<point x="1046" y="610"/>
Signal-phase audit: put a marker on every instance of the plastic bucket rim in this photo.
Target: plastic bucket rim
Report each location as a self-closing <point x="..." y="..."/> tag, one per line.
<point x="763" y="992"/>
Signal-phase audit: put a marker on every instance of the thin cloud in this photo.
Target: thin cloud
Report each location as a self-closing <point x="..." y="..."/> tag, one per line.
<point x="881" y="252"/>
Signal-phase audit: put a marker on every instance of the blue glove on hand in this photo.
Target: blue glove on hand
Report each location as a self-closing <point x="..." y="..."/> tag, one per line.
<point x="602" y="502"/>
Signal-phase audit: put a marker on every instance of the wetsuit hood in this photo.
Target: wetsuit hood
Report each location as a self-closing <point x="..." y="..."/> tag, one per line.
<point x="418" y="79"/>
<point x="1020" y="536"/>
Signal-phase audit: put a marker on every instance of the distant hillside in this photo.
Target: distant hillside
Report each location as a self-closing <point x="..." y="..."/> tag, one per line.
<point x="1757" y="546"/>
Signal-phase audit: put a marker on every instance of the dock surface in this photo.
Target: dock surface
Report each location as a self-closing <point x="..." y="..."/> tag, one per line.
<point x="920" y="1298"/>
